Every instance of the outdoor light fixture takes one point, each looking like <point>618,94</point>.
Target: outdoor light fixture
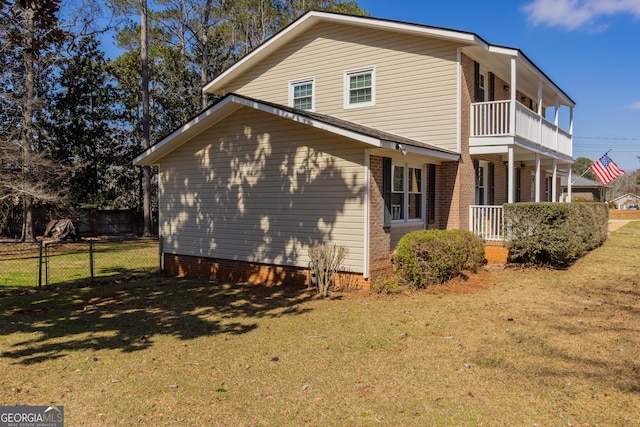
<point>402,149</point>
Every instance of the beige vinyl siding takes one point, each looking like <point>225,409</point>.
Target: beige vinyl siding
<point>415,79</point>
<point>259,188</point>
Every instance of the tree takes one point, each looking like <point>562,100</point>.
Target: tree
<point>84,128</point>
<point>30,33</point>
<point>582,165</point>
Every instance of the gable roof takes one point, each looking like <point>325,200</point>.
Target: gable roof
<point>311,18</point>
<point>232,102</point>
<point>580,181</point>
<point>627,196</point>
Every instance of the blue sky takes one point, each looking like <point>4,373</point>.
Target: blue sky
<point>589,48</point>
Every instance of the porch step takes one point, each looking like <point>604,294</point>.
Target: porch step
<point>496,253</point>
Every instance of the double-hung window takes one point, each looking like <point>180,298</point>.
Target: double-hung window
<point>359,88</point>
<point>407,193</point>
<point>301,94</point>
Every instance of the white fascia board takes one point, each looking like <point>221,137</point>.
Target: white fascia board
<point>186,132</point>
<point>493,149</point>
<point>311,18</point>
<point>547,152</point>
<point>518,54</point>
<point>308,121</point>
<point>425,151</point>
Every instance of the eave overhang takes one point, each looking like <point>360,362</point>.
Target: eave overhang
<point>232,102</point>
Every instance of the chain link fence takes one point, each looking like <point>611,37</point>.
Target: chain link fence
<point>51,263</point>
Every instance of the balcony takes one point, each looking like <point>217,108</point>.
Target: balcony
<point>492,125</point>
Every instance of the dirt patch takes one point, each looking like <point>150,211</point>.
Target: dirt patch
<point>468,283</point>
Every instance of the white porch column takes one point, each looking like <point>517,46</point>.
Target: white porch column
<point>540,121</point>
<point>555,121</point>
<point>554,187</point>
<point>569,186</point>
<point>512,106</point>
<point>511,177</point>
<point>537,178</point>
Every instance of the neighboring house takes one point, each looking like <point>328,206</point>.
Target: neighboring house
<point>355,130</point>
<point>627,202</point>
<point>582,189</point>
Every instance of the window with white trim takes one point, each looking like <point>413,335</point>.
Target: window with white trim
<point>359,88</point>
<point>301,94</point>
<point>407,193</point>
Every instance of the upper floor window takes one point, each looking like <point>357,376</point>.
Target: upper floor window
<point>407,193</point>
<point>301,94</point>
<point>359,88</point>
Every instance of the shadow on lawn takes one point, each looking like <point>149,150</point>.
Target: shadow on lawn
<point>128,316</point>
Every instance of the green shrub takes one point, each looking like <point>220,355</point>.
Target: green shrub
<point>386,285</point>
<point>427,257</point>
<point>554,234</point>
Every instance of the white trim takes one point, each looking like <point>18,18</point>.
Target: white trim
<point>367,212</point>
<point>232,103</point>
<point>459,101</point>
<point>294,83</point>
<point>484,164</point>
<point>347,89</point>
<point>310,19</point>
<point>405,192</point>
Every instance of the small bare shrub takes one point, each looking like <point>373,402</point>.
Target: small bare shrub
<point>326,261</point>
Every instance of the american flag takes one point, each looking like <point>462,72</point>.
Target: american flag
<point>606,170</point>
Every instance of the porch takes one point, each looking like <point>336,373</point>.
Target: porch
<point>487,222</point>
<point>500,123</point>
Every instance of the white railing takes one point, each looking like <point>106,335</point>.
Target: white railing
<point>487,222</point>
<point>492,119</point>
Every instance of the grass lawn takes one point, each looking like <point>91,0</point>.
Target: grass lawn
<point>70,262</point>
<point>507,347</point>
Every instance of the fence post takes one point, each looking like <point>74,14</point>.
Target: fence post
<point>91,259</point>
<point>40,265</point>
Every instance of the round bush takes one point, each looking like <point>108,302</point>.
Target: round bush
<point>427,257</point>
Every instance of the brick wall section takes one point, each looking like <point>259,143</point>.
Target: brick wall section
<point>224,270</point>
<point>379,236</point>
<point>464,190</point>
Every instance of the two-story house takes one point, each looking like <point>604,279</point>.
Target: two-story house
<point>355,130</point>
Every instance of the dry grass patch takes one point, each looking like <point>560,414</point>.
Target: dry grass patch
<point>506,347</point>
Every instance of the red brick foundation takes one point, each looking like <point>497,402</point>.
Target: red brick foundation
<point>247,272</point>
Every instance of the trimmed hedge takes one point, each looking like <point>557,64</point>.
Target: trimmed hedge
<point>554,234</point>
<point>434,256</point>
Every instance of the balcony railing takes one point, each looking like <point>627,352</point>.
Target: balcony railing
<point>493,119</point>
<point>487,222</point>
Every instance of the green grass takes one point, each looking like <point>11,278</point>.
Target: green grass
<point>70,262</point>
<point>507,347</point>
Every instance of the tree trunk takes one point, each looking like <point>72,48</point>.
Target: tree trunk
<point>28,233</point>
<point>204,66</point>
<point>146,134</point>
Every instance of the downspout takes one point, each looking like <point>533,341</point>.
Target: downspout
<point>459,100</point>
<point>365,261</point>
<point>512,131</point>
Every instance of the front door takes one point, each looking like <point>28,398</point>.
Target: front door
<point>481,182</point>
